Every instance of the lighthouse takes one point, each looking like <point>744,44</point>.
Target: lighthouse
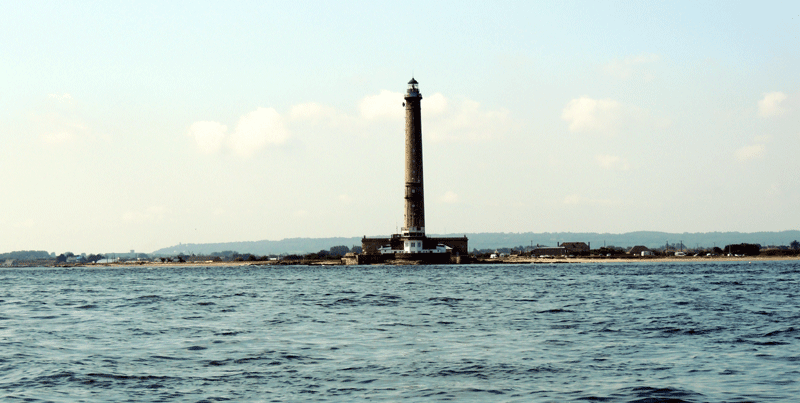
<point>414,230</point>
<point>411,244</point>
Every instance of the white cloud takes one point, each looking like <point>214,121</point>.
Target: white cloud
<point>631,66</point>
<point>443,120</point>
<point>208,135</point>
<point>59,122</point>
<point>750,152</point>
<point>449,197</point>
<point>434,105</point>
<point>319,114</point>
<point>312,111</point>
<point>587,115</point>
<point>263,126</point>
<point>59,128</point>
<point>58,138</point>
<point>467,120</point>
<point>578,200</point>
<point>607,116</point>
<point>770,105</point>
<point>612,162</point>
<point>764,138</point>
<point>60,97</point>
<point>26,223</point>
<point>150,214</point>
<point>386,105</point>
<point>254,131</point>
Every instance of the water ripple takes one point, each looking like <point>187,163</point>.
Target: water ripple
<point>716,332</point>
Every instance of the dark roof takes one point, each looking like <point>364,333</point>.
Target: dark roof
<point>413,81</point>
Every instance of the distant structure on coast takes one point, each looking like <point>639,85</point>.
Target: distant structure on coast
<point>412,244</point>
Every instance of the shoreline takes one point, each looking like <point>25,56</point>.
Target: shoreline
<point>507,260</point>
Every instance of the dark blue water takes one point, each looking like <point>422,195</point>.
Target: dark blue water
<point>727,332</point>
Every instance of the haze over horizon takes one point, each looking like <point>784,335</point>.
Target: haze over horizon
<point>139,125</point>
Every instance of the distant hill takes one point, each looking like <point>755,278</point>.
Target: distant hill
<point>650,239</point>
<point>289,245</point>
<point>25,255</point>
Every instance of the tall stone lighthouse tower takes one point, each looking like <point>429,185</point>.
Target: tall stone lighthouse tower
<point>414,228</point>
<point>411,244</point>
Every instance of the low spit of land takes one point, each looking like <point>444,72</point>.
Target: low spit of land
<point>504,260</point>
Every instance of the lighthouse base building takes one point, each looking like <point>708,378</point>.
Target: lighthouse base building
<point>412,244</point>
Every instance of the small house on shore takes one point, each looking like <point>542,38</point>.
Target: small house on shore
<point>640,250</point>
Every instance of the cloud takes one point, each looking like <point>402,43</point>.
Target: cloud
<point>263,126</point>
<point>58,138</point>
<point>59,128</point>
<point>585,114</point>
<point>346,199</point>
<point>319,114</point>
<point>60,97</point>
<point>449,197</point>
<point>386,105</point>
<point>464,121</point>
<point>763,138</point>
<point>770,105</point>
<point>312,111</point>
<point>750,152</point>
<point>254,131</point>
<point>607,116</point>
<point>150,214</point>
<point>631,66</point>
<point>208,136</point>
<point>612,162</point>
<point>443,120</point>
<point>435,104</point>
<point>578,200</point>
<point>59,121</point>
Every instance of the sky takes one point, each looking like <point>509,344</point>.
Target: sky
<point>141,125</point>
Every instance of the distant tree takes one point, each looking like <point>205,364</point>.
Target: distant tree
<point>27,255</point>
<point>611,250</point>
<point>795,245</point>
<point>748,249</point>
<point>225,253</point>
<point>717,250</point>
<point>94,258</point>
<point>69,254</point>
<point>61,258</point>
<point>340,250</point>
<point>356,249</point>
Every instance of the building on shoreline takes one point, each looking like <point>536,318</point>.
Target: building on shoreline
<point>411,244</point>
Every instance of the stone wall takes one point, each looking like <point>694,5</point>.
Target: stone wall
<point>460,245</point>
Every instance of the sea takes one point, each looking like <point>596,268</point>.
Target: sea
<point>607,332</point>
